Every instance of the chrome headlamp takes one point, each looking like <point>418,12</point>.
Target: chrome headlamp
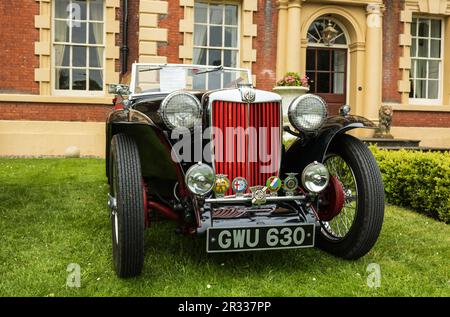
<point>315,177</point>
<point>308,113</point>
<point>181,110</point>
<point>200,179</point>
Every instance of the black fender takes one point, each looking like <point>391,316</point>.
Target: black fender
<point>159,169</point>
<point>303,152</point>
<point>154,149</point>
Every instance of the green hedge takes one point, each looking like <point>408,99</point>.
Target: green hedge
<point>420,180</point>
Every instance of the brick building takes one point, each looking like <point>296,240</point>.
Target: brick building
<point>58,56</point>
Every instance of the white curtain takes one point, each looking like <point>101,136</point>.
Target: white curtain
<point>96,53</point>
<point>96,37</point>
<point>61,29</point>
<point>200,40</point>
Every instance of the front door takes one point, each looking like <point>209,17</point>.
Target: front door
<point>326,68</point>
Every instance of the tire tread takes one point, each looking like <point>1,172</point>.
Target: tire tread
<point>129,257</point>
<point>369,219</point>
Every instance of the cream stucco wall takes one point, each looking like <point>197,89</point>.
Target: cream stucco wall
<point>430,137</point>
<point>51,138</point>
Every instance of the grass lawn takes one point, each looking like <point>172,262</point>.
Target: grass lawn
<point>53,212</point>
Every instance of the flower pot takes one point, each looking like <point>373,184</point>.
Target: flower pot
<point>288,94</point>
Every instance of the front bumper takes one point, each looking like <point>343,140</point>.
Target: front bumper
<point>255,216</point>
<point>244,200</point>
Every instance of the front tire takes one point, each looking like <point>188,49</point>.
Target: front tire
<point>127,216</point>
<point>353,164</point>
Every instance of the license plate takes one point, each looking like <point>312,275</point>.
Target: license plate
<point>235,239</point>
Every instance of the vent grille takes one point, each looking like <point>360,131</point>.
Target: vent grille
<point>248,141</point>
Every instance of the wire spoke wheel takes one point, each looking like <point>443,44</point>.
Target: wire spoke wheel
<point>352,209</point>
<point>340,225</point>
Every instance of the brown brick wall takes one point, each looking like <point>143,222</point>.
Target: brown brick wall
<point>265,44</point>
<point>17,61</point>
<point>17,37</point>
<point>421,119</point>
<point>53,112</point>
<point>392,27</point>
<point>170,22</point>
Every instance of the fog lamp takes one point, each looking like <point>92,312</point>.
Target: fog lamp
<point>315,177</point>
<point>200,179</point>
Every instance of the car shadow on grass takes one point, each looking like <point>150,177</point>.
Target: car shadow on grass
<point>162,243</point>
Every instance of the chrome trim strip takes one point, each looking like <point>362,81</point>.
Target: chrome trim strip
<point>130,115</point>
<point>134,115</point>
<point>234,95</point>
<point>243,200</point>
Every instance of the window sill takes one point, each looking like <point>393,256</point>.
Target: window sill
<point>425,108</point>
<point>105,100</point>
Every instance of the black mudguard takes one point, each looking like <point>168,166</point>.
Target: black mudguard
<point>301,153</point>
<point>154,150</point>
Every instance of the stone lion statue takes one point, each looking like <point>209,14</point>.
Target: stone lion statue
<point>384,127</point>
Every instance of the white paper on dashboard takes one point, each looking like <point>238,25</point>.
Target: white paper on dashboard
<point>172,78</point>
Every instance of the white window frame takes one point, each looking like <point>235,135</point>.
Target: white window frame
<point>426,101</point>
<point>221,48</point>
<point>71,92</point>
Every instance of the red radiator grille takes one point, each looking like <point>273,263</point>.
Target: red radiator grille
<point>237,154</point>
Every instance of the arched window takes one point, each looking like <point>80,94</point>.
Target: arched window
<point>326,61</point>
<point>318,30</point>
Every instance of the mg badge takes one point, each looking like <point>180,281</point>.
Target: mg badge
<point>248,94</point>
<point>239,186</point>
<point>221,185</point>
<point>291,184</point>
<point>258,195</point>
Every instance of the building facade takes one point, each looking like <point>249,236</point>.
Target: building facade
<point>58,56</point>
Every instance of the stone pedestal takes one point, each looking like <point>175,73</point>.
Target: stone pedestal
<point>392,143</point>
<point>288,94</point>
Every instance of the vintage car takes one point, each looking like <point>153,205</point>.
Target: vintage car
<point>200,146</point>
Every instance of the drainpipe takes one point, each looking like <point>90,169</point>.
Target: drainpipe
<point>124,49</point>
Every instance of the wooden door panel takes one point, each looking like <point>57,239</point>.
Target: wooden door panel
<point>327,70</point>
<point>334,101</point>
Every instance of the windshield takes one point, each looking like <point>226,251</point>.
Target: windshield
<point>148,78</point>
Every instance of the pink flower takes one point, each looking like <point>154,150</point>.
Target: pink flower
<point>294,79</point>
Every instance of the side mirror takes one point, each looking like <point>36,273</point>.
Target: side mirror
<point>119,89</point>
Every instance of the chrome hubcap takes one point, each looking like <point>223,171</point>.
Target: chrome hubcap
<point>112,202</point>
